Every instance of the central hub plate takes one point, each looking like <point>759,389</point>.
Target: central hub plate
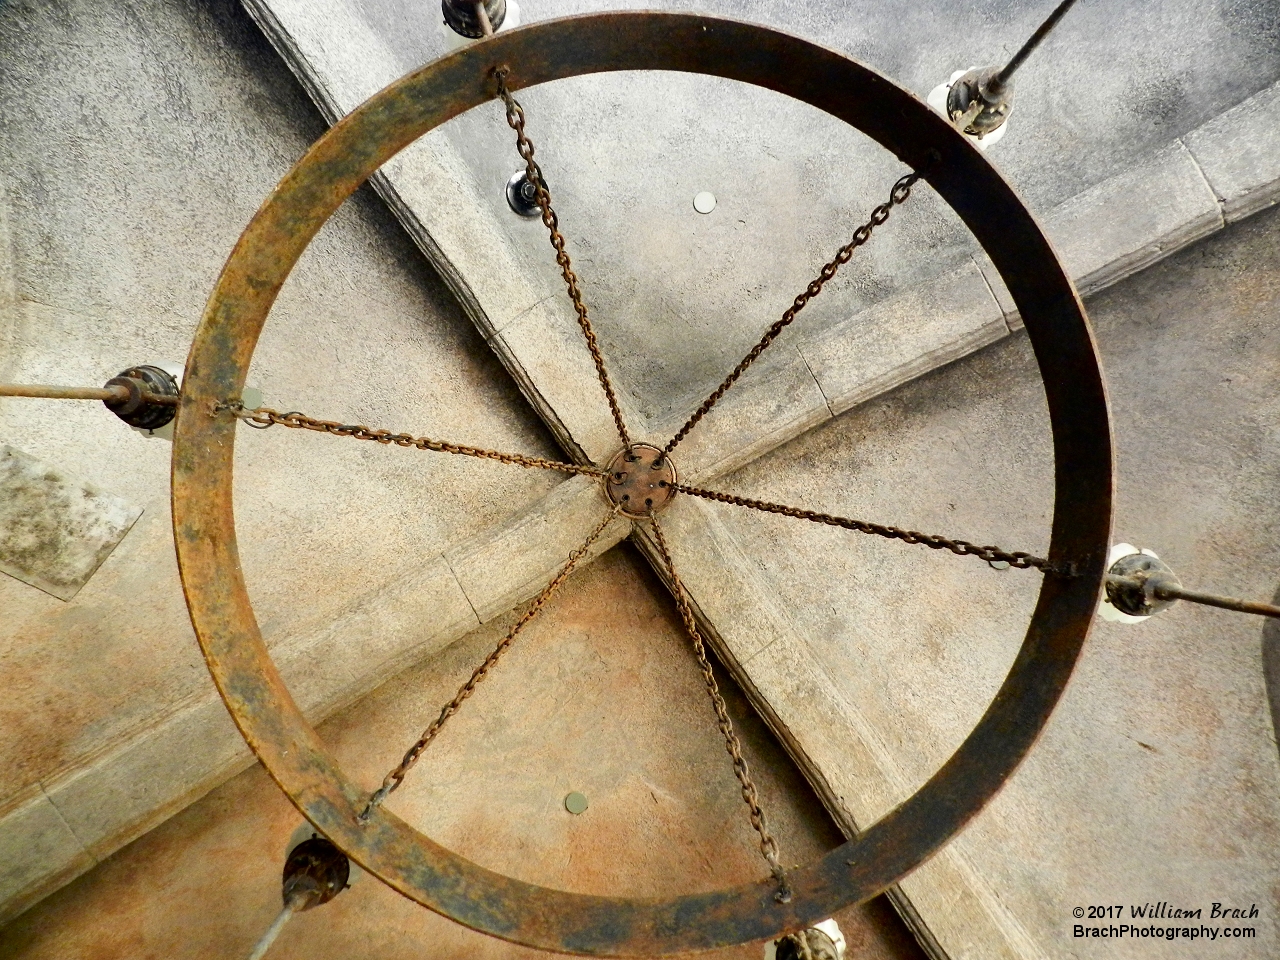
<point>641,480</point>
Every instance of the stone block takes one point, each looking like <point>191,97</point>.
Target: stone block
<point>723,582</point>
<point>546,352</point>
<point>513,563</point>
<point>836,747</point>
<point>38,852</point>
<point>126,792</point>
<point>1239,152</point>
<point>1130,221</point>
<point>400,624</point>
<point>902,338</point>
<point>56,529</point>
<point>775,400</point>
<point>998,290</point>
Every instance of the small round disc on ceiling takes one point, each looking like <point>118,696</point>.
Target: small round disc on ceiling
<point>704,202</point>
<point>575,803</point>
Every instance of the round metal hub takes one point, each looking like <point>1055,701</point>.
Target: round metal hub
<point>641,480</point>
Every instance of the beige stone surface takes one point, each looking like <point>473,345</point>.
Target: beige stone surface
<point>515,561</point>
<point>843,755</point>
<point>600,695</point>
<point>1158,777</point>
<point>94,290</point>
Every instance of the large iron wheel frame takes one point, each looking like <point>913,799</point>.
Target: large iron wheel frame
<point>204,528</point>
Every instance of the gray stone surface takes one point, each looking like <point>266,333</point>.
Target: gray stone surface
<point>900,339</point>
<point>776,400</point>
<point>55,529</point>
<point>136,140</point>
<point>1158,777</point>
<point>1133,219</point>
<point>1239,153</point>
<point>674,317</point>
<point>625,156</point>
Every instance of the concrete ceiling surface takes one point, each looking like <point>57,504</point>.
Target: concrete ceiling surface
<point>680,296</point>
<point>447,190</point>
<point>1163,194</point>
<point>591,700</point>
<point>1142,209</point>
<point>1158,777</point>
<point>135,143</point>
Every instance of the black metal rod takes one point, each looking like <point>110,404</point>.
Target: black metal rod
<point>1164,590</point>
<point>1042,31</point>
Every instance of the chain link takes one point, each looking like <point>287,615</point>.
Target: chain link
<point>768,845</point>
<point>393,779</point>
<point>901,190</point>
<point>962,548</point>
<point>264,417</point>
<point>515,120</point>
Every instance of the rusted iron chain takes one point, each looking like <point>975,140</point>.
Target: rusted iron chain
<point>515,119</point>
<point>961,548</point>
<point>768,845</point>
<point>264,417</point>
<point>393,779</point>
<point>901,190</point>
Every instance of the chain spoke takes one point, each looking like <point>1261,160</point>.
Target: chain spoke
<point>961,548</point>
<point>901,190</point>
<point>263,417</point>
<point>768,845</point>
<point>515,119</point>
<point>393,779</point>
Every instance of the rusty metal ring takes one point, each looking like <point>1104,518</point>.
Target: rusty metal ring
<point>204,527</point>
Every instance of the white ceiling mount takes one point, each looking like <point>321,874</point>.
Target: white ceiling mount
<point>1106,609</point>
<point>938,100</point>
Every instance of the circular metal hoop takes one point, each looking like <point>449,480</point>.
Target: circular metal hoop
<point>204,528</point>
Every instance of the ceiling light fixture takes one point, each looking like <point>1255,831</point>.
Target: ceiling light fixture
<point>979,100</point>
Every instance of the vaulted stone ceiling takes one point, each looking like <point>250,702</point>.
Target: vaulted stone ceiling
<point>673,315</point>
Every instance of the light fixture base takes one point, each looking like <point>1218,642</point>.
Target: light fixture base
<point>977,105</point>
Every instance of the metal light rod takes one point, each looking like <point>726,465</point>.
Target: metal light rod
<point>486,27</point>
<point>117,393</point>
<point>1042,31</point>
<point>1166,589</point>
<point>980,101</point>
<point>291,907</point>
